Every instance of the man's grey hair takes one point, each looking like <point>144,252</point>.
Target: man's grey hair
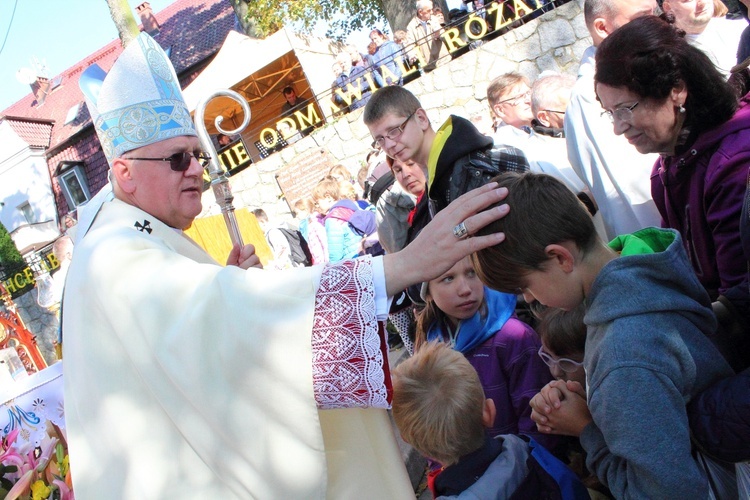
<point>546,90</point>
<point>424,4</point>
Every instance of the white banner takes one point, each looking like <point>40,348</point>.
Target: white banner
<point>29,403</point>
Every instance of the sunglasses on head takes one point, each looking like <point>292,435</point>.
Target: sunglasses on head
<point>179,162</point>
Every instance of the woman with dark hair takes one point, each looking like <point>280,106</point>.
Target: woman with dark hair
<point>665,96</point>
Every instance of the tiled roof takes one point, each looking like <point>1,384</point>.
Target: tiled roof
<point>194,29</point>
<point>35,133</point>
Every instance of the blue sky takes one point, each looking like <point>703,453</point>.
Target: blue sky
<point>59,32</point>
<point>62,33</point>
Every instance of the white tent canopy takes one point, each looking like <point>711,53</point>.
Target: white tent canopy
<point>259,69</point>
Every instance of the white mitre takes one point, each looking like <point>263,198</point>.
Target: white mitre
<point>139,102</point>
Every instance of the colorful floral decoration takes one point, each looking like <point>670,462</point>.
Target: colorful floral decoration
<point>36,472</point>
<point>34,463</point>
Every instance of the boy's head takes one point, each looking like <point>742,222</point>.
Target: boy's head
<point>439,404</point>
<point>398,123</point>
<point>326,193</point>
<point>548,232</point>
<point>261,217</point>
<point>390,100</point>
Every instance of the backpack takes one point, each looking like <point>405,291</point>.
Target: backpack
<point>380,186</point>
<point>477,169</point>
<point>298,249</point>
<point>548,478</point>
<point>364,223</point>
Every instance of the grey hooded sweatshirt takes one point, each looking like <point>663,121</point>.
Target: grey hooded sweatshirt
<point>647,354</point>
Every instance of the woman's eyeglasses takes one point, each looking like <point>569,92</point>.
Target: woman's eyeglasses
<point>624,114</point>
<point>179,162</point>
<point>565,364</point>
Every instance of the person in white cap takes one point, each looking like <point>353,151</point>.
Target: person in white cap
<point>188,379</point>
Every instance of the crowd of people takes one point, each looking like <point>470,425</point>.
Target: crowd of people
<point>571,285</point>
<point>394,60</point>
<point>650,134</point>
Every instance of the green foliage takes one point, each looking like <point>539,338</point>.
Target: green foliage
<point>9,254</point>
<point>342,16</point>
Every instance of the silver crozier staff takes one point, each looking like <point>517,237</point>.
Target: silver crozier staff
<point>219,178</point>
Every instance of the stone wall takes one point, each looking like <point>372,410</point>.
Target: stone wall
<point>554,41</point>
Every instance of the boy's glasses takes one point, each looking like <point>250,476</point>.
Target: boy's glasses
<point>624,114</point>
<point>395,132</point>
<point>565,364</point>
<point>179,162</point>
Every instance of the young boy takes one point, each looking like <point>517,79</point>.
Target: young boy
<point>440,409</point>
<point>647,343</point>
<point>455,159</point>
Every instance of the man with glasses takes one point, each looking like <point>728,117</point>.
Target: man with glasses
<point>546,146</point>
<point>550,95</point>
<point>188,379</point>
<point>509,97</point>
<point>456,158</point>
<point>615,173</point>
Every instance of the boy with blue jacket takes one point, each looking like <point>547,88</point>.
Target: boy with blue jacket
<point>648,351</point>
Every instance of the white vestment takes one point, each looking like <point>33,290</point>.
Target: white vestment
<point>617,175</point>
<point>511,136</point>
<point>549,155</point>
<point>187,379</point>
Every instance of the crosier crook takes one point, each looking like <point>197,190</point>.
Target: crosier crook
<point>219,179</point>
